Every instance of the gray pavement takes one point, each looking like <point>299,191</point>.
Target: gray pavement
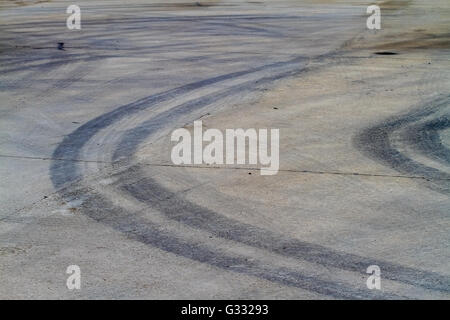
<point>87,178</point>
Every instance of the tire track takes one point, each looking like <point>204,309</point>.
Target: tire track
<point>422,134</point>
<point>139,229</point>
<point>178,209</point>
<point>70,148</point>
<point>425,138</point>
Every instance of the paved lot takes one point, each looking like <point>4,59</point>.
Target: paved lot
<point>87,178</point>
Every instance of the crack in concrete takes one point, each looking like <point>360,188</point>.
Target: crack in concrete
<point>53,159</point>
<point>234,168</point>
<point>299,171</point>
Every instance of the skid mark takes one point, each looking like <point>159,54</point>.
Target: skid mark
<point>374,143</point>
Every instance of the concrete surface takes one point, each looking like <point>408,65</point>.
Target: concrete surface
<point>86,175</point>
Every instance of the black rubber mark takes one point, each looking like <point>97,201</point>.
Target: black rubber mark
<point>386,53</point>
<point>425,139</point>
<point>132,138</point>
<point>141,230</point>
<point>138,228</point>
<point>176,208</point>
<point>72,144</point>
<point>374,142</point>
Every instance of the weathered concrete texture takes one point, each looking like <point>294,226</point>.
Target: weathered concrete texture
<point>364,150</point>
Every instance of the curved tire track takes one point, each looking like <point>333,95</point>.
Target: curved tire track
<point>422,128</point>
<point>176,208</point>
